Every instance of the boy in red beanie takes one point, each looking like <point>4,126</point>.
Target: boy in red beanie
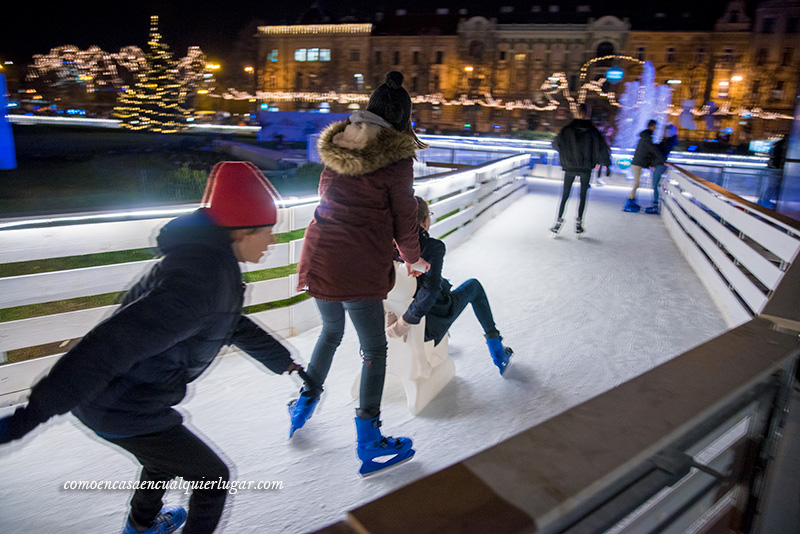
<point>124,377</point>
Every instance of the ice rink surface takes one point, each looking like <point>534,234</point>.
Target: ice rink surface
<point>581,315</point>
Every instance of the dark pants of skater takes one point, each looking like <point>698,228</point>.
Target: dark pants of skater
<point>569,178</point>
<point>177,452</point>
<point>472,292</point>
<point>660,170</point>
<point>367,318</point>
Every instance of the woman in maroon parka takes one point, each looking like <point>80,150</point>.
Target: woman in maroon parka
<point>367,205</point>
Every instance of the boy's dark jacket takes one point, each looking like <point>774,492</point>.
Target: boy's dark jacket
<point>433,299</point>
<point>647,154</point>
<point>581,147</point>
<point>124,376</point>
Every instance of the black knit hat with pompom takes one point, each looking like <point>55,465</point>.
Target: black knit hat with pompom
<point>391,102</point>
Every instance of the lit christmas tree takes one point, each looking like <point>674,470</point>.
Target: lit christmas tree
<point>156,101</point>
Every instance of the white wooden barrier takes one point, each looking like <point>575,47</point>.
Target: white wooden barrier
<point>475,195</point>
<point>739,250</point>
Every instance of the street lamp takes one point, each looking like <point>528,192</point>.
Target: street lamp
<point>252,87</point>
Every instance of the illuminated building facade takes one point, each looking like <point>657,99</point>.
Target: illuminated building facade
<point>525,70</point>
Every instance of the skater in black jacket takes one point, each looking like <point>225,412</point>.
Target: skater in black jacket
<point>124,377</point>
<point>581,147</point>
<point>647,154</point>
<point>439,305</point>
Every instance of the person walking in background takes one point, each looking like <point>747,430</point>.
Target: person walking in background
<point>645,155</point>
<point>124,377</point>
<point>666,145</point>
<point>440,306</point>
<point>581,147</point>
<point>347,263</point>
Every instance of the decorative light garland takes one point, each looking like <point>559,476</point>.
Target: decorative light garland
<point>304,29</point>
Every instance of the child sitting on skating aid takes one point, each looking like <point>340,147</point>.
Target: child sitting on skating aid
<point>440,306</point>
<point>123,378</point>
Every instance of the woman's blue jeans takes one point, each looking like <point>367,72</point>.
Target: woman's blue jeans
<point>367,318</point>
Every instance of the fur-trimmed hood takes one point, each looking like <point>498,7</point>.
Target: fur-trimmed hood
<point>356,149</point>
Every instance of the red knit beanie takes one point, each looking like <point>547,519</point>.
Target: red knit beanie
<point>238,195</point>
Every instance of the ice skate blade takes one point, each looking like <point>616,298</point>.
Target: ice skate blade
<point>508,365</point>
<point>387,468</point>
<point>579,235</point>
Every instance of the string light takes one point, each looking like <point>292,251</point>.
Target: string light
<point>155,103</point>
<point>303,29</point>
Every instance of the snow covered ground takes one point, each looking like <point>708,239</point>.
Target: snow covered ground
<point>582,317</point>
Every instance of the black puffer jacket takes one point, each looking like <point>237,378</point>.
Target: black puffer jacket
<point>124,376</point>
<point>581,147</point>
<point>647,154</point>
<point>433,299</point>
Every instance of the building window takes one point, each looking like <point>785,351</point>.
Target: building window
<point>312,54</point>
<point>476,50</point>
<point>415,57</point>
<point>396,57</point>
<point>755,89</point>
<point>502,55</point>
<point>273,56</point>
<point>670,55</point>
<point>768,25</point>
<point>519,57</point>
<point>792,24</point>
<point>727,55</point>
<point>761,56</point>
<point>435,83</point>
<point>777,90</point>
<point>439,57</point>
<point>605,49</point>
<point>700,56</point>
<point>378,57</point>
<point>723,89</point>
<point>355,55</point>
<point>640,53</point>
<point>414,84</point>
<point>786,59</point>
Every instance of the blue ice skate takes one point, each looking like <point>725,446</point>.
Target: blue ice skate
<point>377,452</point>
<point>501,356</point>
<point>631,206</point>
<point>301,410</point>
<point>653,210</point>
<point>168,520</point>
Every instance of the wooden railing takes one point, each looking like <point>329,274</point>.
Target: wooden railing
<point>740,250</point>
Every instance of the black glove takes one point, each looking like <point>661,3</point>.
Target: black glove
<point>17,425</point>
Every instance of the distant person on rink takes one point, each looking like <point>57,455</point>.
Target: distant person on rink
<point>581,147</point>
<point>646,154</point>
<point>666,145</point>
<point>440,306</point>
<point>124,377</point>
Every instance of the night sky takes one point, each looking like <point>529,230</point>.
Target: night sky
<point>212,26</point>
